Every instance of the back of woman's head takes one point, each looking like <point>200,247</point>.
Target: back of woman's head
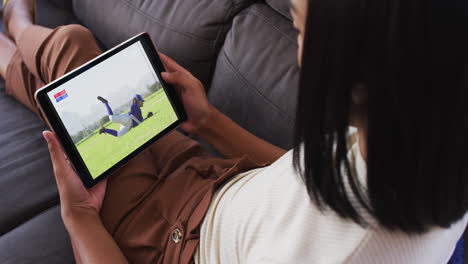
<point>411,57</point>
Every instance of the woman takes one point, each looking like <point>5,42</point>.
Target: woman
<point>392,191</point>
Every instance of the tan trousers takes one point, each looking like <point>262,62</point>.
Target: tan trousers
<point>156,202</point>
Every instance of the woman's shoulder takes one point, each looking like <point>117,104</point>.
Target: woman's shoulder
<point>275,203</point>
<point>273,208</point>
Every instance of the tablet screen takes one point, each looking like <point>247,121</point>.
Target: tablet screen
<point>113,108</point>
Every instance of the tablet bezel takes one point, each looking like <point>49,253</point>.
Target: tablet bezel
<point>58,127</point>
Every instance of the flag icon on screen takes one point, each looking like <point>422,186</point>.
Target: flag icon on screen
<point>60,95</point>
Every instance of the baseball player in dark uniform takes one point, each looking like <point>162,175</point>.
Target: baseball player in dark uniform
<point>128,120</point>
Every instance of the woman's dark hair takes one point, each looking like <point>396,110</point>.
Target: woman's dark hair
<point>411,57</point>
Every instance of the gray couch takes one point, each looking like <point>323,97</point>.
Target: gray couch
<point>244,51</point>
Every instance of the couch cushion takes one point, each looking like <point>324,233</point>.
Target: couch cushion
<point>190,31</point>
<point>255,82</point>
<point>280,6</point>
<point>43,239</point>
<point>31,229</point>
<point>27,185</point>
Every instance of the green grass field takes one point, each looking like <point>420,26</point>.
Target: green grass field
<point>101,151</point>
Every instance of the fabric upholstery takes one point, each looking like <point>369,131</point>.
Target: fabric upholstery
<point>31,229</point>
<point>189,31</point>
<point>59,5</point>
<point>280,6</point>
<point>256,76</point>
<point>53,13</point>
<point>42,239</point>
<point>27,186</point>
<point>254,83</point>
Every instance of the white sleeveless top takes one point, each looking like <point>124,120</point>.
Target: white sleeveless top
<point>266,216</point>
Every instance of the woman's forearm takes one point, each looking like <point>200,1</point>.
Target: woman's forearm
<point>233,141</point>
<point>91,242</point>
<point>76,253</point>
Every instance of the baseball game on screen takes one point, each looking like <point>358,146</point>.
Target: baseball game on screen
<point>124,108</point>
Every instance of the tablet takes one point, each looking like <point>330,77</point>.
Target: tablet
<point>112,108</point>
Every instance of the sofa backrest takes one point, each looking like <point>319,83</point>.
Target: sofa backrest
<point>190,31</point>
<point>244,51</point>
<point>280,6</point>
<point>256,76</point>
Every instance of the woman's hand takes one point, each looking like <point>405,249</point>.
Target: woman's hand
<point>204,120</point>
<point>75,199</point>
<point>192,94</point>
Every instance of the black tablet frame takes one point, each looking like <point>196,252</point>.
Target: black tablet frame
<point>58,127</point>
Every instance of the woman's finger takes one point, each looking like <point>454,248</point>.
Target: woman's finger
<point>178,79</point>
<point>57,156</point>
<point>68,182</point>
<point>56,153</point>
<point>170,64</point>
